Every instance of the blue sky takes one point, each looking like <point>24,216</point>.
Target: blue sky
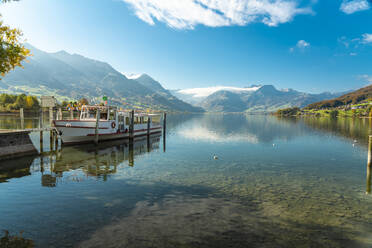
<point>313,45</point>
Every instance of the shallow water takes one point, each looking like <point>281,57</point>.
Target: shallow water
<point>276,183</point>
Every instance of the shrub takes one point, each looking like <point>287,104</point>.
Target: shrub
<point>333,113</point>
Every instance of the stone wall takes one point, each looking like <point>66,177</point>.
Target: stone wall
<point>15,144</point>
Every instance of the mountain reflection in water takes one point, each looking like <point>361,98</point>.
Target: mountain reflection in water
<point>278,182</point>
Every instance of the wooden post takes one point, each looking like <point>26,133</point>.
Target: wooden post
<point>131,127</point>
<point>21,114</point>
<point>164,131</point>
<point>51,118</point>
<point>369,165</point>
<point>148,126</point>
<point>71,114</point>
<point>131,154</point>
<point>51,140</point>
<point>96,134</point>
<point>165,122</point>
<point>148,144</point>
<point>41,132</point>
<point>51,135</point>
<point>56,140</point>
<point>59,115</point>
<point>41,164</point>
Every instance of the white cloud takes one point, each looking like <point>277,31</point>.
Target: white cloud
<point>186,14</point>
<point>350,7</point>
<point>367,38</point>
<point>204,92</point>
<point>366,78</point>
<point>302,44</point>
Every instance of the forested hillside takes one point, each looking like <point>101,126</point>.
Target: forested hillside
<point>354,97</point>
<point>70,77</point>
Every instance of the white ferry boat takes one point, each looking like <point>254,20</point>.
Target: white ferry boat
<point>112,124</point>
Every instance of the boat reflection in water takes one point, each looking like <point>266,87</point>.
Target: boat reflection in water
<point>75,163</point>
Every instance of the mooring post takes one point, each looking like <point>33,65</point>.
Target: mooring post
<point>148,126</point>
<point>51,140</point>
<point>131,154</point>
<point>164,130</point>
<point>369,165</point>
<point>59,115</point>
<point>51,116</point>
<point>56,140</point>
<point>51,135</point>
<point>21,114</point>
<point>96,134</point>
<point>131,127</point>
<point>41,130</point>
<point>148,144</point>
<point>41,164</point>
<point>165,121</point>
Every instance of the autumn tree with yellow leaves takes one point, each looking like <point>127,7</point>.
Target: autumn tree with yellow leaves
<point>12,50</point>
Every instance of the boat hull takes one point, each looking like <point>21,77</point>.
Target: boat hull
<point>84,132</point>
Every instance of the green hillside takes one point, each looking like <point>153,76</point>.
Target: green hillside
<point>70,77</point>
<point>352,98</point>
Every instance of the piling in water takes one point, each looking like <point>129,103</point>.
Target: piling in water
<point>368,190</point>
<point>21,114</point>
<point>51,135</point>
<point>131,127</point>
<point>59,115</point>
<point>56,140</point>
<point>164,131</point>
<point>41,132</point>
<point>96,134</point>
<point>148,126</point>
<point>131,154</point>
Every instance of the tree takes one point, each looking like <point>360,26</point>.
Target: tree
<point>334,114</point>
<point>84,101</point>
<point>288,111</point>
<point>12,51</point>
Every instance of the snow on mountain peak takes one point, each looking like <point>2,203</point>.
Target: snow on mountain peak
<point>132,75</point>
<point>205,92</point>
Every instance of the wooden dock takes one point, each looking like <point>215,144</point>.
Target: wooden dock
<point>17,142</point>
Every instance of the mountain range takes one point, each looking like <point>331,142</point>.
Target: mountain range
<point>72,76</point>
<point>256,98</point>
<point>354,97</point>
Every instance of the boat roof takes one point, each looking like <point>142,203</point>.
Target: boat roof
<point>120,111</point>
<point>99,107</point>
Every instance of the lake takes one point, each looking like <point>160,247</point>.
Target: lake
<point>277,182</point>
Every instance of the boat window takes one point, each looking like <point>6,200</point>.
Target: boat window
<point>103,116</point>
<point>145,119</point>
<point>88,114</point>
<point>112,115</point>
<point>127,122</point>
<point>156,119</point>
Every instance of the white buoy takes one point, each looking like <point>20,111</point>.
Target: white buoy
<point>215,157</point>
<point>355,141</point>
<point>273,145</point>
<point>353,145</point>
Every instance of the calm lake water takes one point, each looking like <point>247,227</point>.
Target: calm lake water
<point>276,183</point>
